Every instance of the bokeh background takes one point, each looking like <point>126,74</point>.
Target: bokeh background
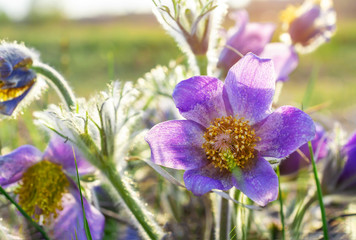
<point>94,42</point>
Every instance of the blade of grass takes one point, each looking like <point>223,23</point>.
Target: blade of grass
<point>320,194</point>
<point>281,204</point>
<point>86,225</point>
<point>310,87</point>
<point>38,227</point>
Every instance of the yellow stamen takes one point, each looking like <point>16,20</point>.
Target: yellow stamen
<point>230,142</point>
<point>41,190</point>
<point>8,94</point>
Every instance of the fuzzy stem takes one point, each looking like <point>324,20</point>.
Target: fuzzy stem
<point>150,227</point>
<point>57,81</point>
<point>38,227</point>
<point>319,193</point>
<point>281,204</point>
<point>202,62</point>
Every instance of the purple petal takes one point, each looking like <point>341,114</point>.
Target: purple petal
<point>202,180</point>
<point>61,153</point>
<point>250,87</point>
<point>200,99</point>
<point>69,223</point>
<point>14,164</point>
<point>295,161</point>
<point>258,181</point>
<point>8,107</point>
<point>284,57</point>
<point>349,169</point>
<point>283,132</point>
<point>177,144</point>
<point>253,38</point>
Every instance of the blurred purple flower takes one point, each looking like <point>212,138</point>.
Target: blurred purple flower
<point>296,161</point>
<point>16,77</point>
<point>255,38</point>
<point>340,171</point>
<point>247,37</point>
<point>47,189</point>
<point>230,131</point>
<point>309,25</point>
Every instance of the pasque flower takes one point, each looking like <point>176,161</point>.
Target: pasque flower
<point>46,189</point>
<point>16,77</point>
<point>255,38</point>
<point>230,132</point>
<point>300,159</point>
<point>309,25</point>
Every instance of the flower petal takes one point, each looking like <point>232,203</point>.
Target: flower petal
<point>349,169</point>
<point>177,144</point>
<point>14,164</point>
<point>257,180</point>
<point>251,38</point>
<point>200,99</point>
<point>284,57</point>
<point>61,153</point>
<point>283,132</point>
<point>69,222</point>
<point>296,161</point>
<point>8,107</point>
<point>250,87</point>
<point>202,180</point>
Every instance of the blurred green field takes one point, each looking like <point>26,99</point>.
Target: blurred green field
<point>91,53</point>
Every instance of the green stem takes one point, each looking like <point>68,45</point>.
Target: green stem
<point>142,216</point>
<point>56,80</point>
<point>320,194</point>
<point>224,212</point>
<point>281,204</point>
<point>202,62</point>
<point>38,227</point>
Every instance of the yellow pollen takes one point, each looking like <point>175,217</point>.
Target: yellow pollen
<point>230,142</point>
<point>289,14</point>
<point>8,94</point>
<point>41,190</point>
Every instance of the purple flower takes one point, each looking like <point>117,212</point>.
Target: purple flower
<point>247,37</point>
<point>339,175</point>
<point>255,38</point>
<point>16,77</point>
<point>309,25</point>
<point>298,160</point>
<point>230,131</point>
<point>46,189</point>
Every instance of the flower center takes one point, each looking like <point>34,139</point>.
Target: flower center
<point>230,142</point>
<point>8,94</point>
<point>41,190</point>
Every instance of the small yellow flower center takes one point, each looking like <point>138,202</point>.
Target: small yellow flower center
<point>41,190</point>
<point>230,142</point>
<point>289,14</point>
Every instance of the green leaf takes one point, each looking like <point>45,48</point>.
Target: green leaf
<point>86,225</point>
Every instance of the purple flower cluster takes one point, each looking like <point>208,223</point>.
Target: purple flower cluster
<point>230,132</point>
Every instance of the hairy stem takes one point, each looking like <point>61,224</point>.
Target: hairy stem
<point>57,81</point>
